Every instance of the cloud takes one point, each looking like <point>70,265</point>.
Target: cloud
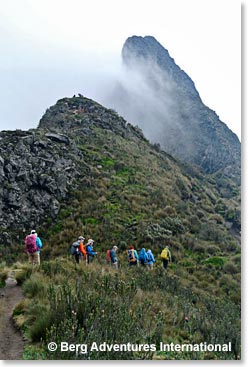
<point>146,96</point>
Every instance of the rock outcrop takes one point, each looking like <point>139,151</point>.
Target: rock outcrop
<point>39,167</point>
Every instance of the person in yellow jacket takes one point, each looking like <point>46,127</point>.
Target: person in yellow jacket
<point>166,256</point>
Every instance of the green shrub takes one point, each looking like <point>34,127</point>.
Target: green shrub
<point>24,273</point>
<point>173,224</point>
<point>3,276</point>
<point>210,232</point>
<point>104,313</point>
<point>199,248</point>
<point>36,285</point>
<point>216,261</point>
<point>21,307</point>
<point>230,268</point>
<point>39,327</point>
<point>228,284</point>
<point>212,249</point>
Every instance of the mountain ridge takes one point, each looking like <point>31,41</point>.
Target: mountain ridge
<point>80,146</point>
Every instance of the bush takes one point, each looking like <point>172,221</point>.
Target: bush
<point>216,261</point>
<point>228,283</point>
<point>237,259</point>
<point>168,210</point>
<point>21,307</point>
<point>210,232</point>
<point>230,268</point>
<point>212,249</point>
<point>35,286</point>
<point>38,329</point>
<point>106,312</point>
<point>156,232</point>
<point>3,277</point>
<point>195,224</point>
<point>173,224</point>
<point>22,274</point>
<point>199,248</point>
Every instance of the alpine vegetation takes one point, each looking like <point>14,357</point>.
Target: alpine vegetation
<point>124,248</point>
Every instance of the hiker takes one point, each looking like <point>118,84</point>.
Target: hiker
<point>166,256</point>
<point>108,256</point>
<point>75,249</point>
<point>38,244</point>
<point>31,248</point>
<point>113,256</point>
<point>132,256</point>
<point>90,253</point>
<point>143,259</point>
<point>150,259</point>
<point>82,248</point>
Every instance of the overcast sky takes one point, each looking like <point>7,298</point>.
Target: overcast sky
<point>55,48</point>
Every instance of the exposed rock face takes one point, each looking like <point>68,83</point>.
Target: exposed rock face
<point>35,174</point>
<point>162,99</point>
<point>38,167</point>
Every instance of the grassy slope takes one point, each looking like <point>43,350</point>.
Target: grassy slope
<point>97,304</point>
<point>134,194</point>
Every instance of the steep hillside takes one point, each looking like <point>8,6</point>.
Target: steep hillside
<point>85,170</point>
<point>162,99</point>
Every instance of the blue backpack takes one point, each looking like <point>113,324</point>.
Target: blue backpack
<point>149,257</point>
<point>143,256</point>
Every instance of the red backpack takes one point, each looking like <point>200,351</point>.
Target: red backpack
<point>108,256</point>
<point>30,244</point>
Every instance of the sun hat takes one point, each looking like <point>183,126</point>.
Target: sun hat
<point>90,241</point>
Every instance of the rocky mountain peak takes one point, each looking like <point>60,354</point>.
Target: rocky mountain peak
<point>148,51</point>
<point>71,115</point>
<point>157,95</point>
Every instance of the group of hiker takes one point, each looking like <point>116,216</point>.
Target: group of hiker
<point>145,258</point>
<point>85,252</point>
<point>80,251</point>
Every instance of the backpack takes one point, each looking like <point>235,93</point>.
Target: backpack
<point>74,248</point>
<point>108,255</point>
<point>30,244</point>
<point>164,254</point>
<point>149,256</point>
<point>130,254</point>
<point>143,256</point>
<point>113,256</point>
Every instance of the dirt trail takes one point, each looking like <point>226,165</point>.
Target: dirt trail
<point>11,340</point>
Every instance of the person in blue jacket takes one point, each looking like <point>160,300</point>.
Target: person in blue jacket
<point>143,259</point>
<point>113,256</point>
<point>150,259</point>
<point>38,244</point>
<point>90,253</point>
